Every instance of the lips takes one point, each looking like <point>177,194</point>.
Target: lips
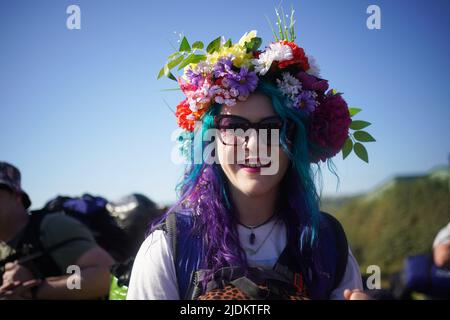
<point>253,165</point>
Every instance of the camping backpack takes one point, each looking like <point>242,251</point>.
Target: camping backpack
<point>311,274</point>
<point>422,275</point>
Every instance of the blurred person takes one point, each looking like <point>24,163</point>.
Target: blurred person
<point>441,248</point>
<point>36,250</point>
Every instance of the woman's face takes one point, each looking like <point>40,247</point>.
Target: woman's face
<point>253,181</point>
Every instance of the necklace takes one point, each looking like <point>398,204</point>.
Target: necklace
<point>252,237</point>
<point>255,251</point>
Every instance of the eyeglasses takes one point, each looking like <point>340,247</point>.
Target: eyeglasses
<point>233,129</point>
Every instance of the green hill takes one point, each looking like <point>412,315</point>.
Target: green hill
<point>400,218</point>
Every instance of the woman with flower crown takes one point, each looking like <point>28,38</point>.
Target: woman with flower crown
<point>247,222</point>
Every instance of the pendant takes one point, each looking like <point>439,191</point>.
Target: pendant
<point>252,238</point>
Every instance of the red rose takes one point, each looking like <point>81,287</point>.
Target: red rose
<point>299,57</point>
<point>328,128</point>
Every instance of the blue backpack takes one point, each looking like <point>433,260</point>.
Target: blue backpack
<point>321,269</point>
<point>422,275</point>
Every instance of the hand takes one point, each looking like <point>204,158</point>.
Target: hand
<point>355,294</point>
<point>441,255</point>
<point>16,272</point>
<point>18,290</point>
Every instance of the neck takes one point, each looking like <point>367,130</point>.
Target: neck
<point>13,225</point>
<point>254,210</point>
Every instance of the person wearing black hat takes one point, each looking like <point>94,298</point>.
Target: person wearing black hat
<point>37,251</point>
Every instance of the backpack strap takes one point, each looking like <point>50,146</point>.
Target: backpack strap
<point>332,260</point>
<point>320,268</point>
<point>341,248</point>
<point>187,250</point>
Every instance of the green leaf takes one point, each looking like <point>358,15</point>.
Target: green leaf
<point>167,73</point>
<point>172,89</point>
<point>161,73</point>
<point>173,55</point>
<point>228,44</point>
<point>354,111</point>
<point>175,62</point>
<point>363,136</point>
<point>361,152</point>
<point>348,146</point>
<point>213,45</point>
<point>192,58</point>
<point>184,46</point>
<point>171,76</point>
<point>197,45</point>
<point>334,91</point>
<point>272,28</point>
<point>359,124</point>
<point>254,44</point>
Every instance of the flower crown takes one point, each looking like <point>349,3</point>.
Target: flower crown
<point>226,73</point>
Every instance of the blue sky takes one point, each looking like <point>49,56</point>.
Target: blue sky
<point>82,111</point>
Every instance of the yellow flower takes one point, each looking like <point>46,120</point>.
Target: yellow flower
<point>241,57</point>
<point>247,37</point>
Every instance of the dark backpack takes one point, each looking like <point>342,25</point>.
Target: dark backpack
<point>91,211</point>
<point>321,269</point>
<point>422,275</point>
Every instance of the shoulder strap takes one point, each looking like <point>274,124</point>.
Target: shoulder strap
<point>186,250</point>
<point>171,229</point>
<point>341,248</point>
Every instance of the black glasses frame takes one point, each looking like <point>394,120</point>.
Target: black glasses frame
<point>247,124</point>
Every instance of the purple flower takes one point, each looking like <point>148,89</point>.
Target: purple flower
<point>310,82</point>
<point>307,101</point>
<point>222,67</point>
<point>195,78</point>
<point>245,81</point>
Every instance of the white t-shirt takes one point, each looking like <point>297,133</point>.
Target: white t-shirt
<point>154,278</point>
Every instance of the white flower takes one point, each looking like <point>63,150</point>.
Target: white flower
<point>275,52</point>
<point>230,102</point>
<point>281,52</point>
<point>193,105</point>
<point>219,99</point>
<point>314,68</point>
<point>234,92</point>
<point>247,37</point>
<point>289,86</point>
<point>263,63</point>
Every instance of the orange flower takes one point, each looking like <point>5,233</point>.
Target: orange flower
<point>185,117</point>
